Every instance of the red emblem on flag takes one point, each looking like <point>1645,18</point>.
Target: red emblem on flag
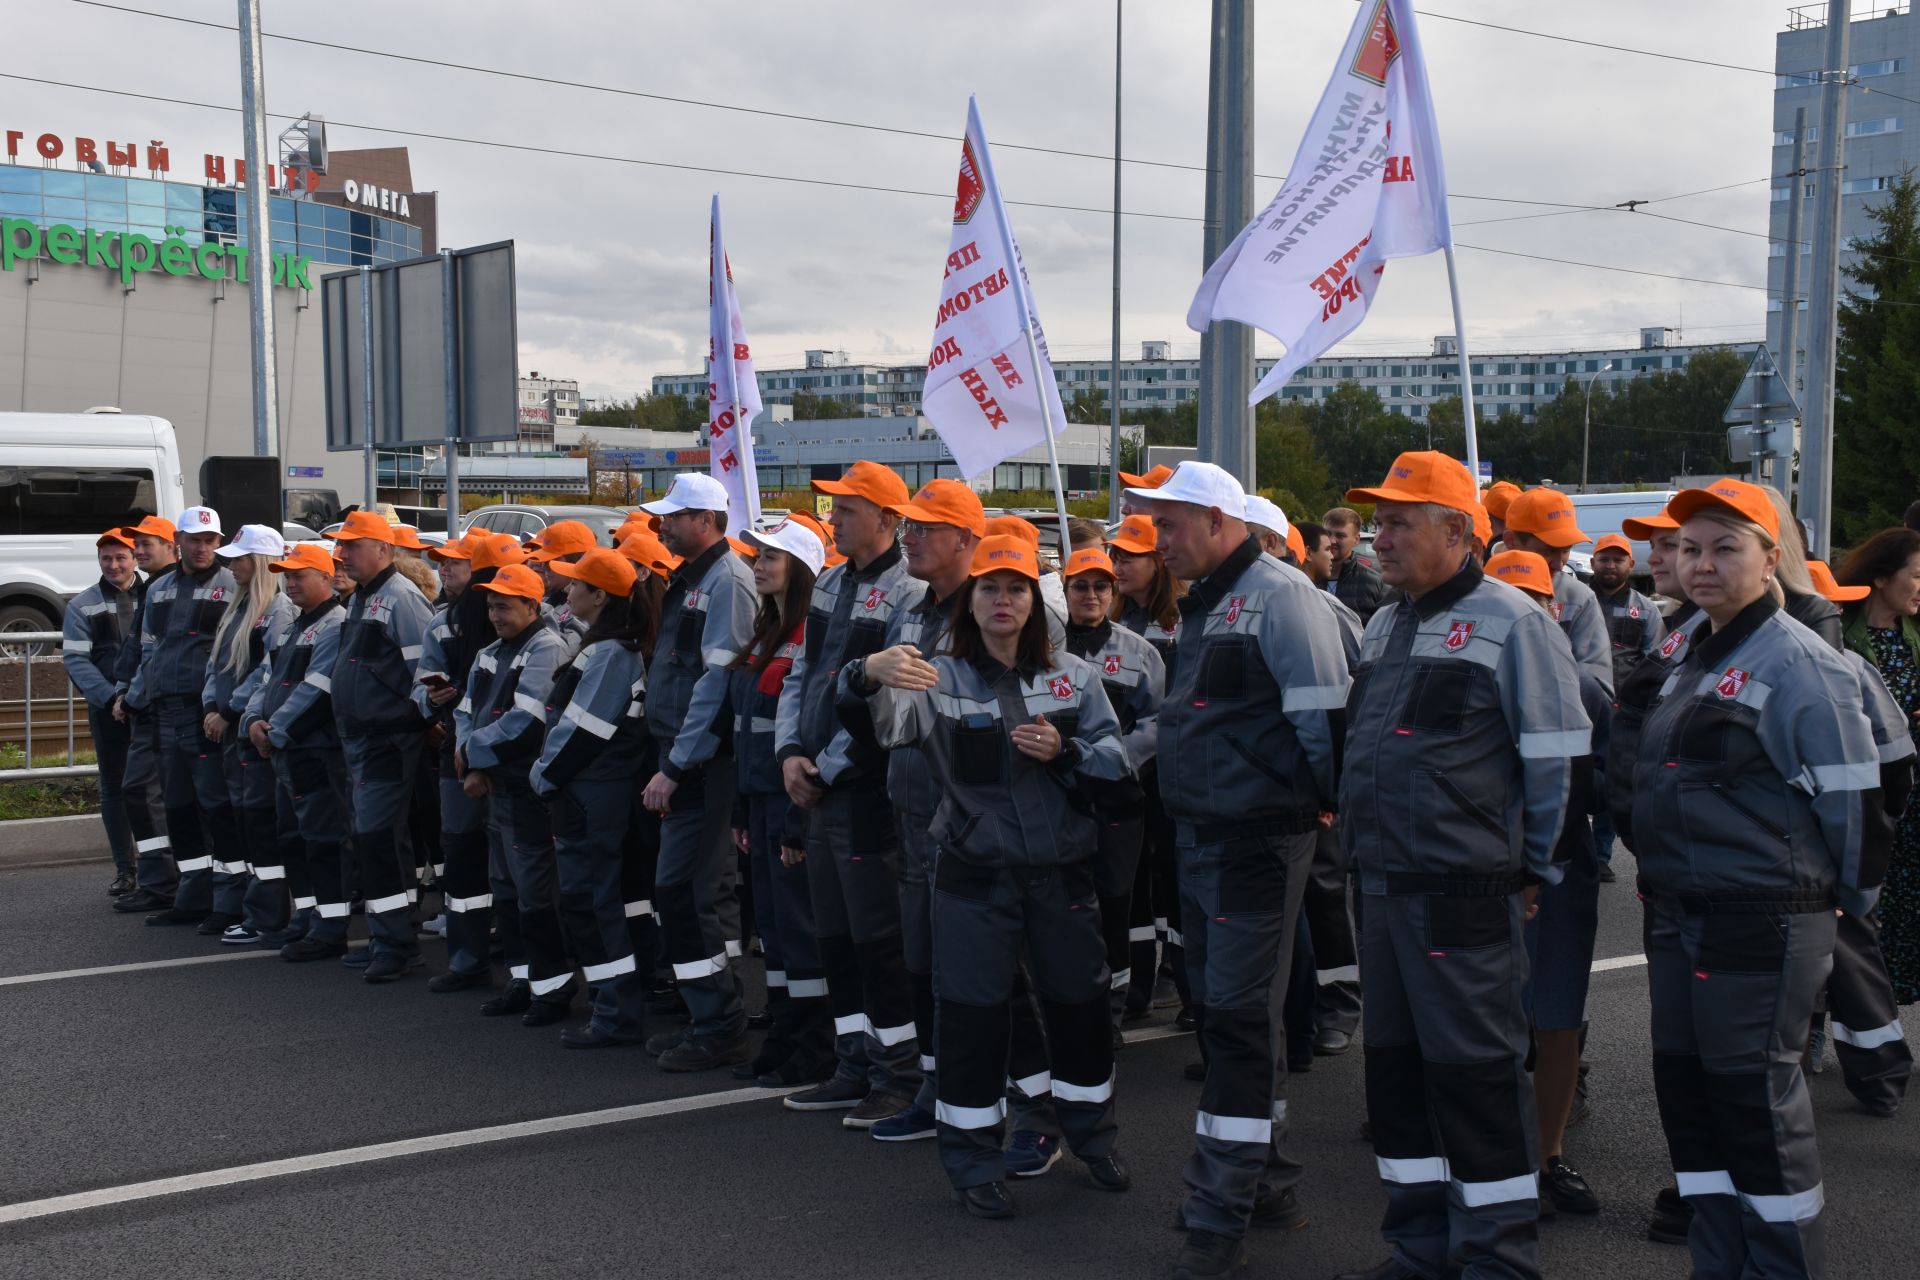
<point>1113,664</point>
<point>874,597</point>
<point>1233,609</point>
<point>1458,633</point>
<point>1732,683</point>
<point>1062,687</point>
<point>966,199</point>
<point>1380,48</point>
<point>1672,643</point>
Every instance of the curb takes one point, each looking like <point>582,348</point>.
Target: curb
<point>52,842</point>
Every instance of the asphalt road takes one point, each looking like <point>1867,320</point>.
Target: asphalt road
<point>189,1071</point>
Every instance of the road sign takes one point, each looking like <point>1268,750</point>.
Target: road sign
<point>1761,414</point>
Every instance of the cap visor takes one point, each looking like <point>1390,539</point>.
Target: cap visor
<point>1561,538</point>
<point>1847,595</point>
<point>1689,502</point>
<point>562,568</point>
<point>661,508</point>
<point>838,488</point>
<point>1384,494</point>
<point>1644,530</point>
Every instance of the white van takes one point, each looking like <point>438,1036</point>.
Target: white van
<point>1601,513</point>
<point>65,478</point>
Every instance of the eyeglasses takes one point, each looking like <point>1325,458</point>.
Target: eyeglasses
<point>920,529</point>
<point>1099,586</point>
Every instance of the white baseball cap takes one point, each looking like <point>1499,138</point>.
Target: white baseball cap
<point>255,540</point>
<point>1266,513</point>
<point>792,537</point>
<point>691,491</point>
<point>1201,483</point>
<point>197,520</point>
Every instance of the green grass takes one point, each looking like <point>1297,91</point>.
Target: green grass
<point>54,798</point>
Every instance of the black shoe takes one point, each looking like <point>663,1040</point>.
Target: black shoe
<point>796,1071</point>
<point>1569,1192</point>
<point>545,1011</point>
<point>1195,1071</point>
<point>517,998</point>
<point>1672,1218</point>
<point>1185,1019</point>
<point>141,900</point>
<point>592,1038</point>
<point>1880,1108</point>
<point>1136,1013</point>
<point>1366,1131</point>
<point>1208,1254</point>
<point>303,949</point>
<point>704,1053</point>
<point>1331,1042</point>
<point>216,923</point>
<point>1299,1059</point>
<point>665,1040</point>
<point>874,1108</point>
<point>1388,1270</point>
<point>390,966</point>
<point>453,980</point>
<point>1278,1211</point>
<point>833,1094</point>
<point>122,883</point>
<point>988,1200</point>
<point>177,915</point>
<point>277,938</point>
<point>1119,1040</point>
<point>358,959</point>
<point>759,1021</point>
<point>1606,873</point>
<point>1109,1174</point>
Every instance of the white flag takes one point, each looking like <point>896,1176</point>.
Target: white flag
<point>733,393</point>
<point>1367,184</point>
<point>982,393</point>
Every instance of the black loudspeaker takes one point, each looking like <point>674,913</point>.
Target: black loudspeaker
<point>243,490</point>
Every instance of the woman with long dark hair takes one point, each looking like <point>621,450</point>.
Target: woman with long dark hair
<point>596,738</point>
<point>768,827</point>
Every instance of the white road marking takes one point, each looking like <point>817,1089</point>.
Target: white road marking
<point>98,970</point>
<point>1619,962</point>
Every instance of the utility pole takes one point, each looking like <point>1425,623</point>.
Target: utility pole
<point>253,107</point>
<point>1788,355</point>
<point>1113,434</point>
<point>1226,348</point>
<point>1816,435</point>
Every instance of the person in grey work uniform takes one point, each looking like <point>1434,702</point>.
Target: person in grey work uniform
<point>1543,521</point>
<point>380,736</point>
<point>706,620</point>
<point>1636,629</point>
<point>98,624</point>
<point>289,720</point>
<point>853,848</point>
<point>1462,728</point>
<point>1247,751</point>
<point>1014,734</point>
<point>183,611</point>
<point>154,552</point>
<point>455,634</point>
<point>1756,782</point>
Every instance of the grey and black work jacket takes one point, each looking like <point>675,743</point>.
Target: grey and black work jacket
<point>706,620</point>
<point>1249,731</point>
<point>1134,617</point>
<point>435,659</point>
<point>999,807</point>
<point>126,663</point>
<point>1757,774</point>
<point>1463,729</point>
<point>596,718</point>
<point>379,649</point>
<point>295,697</point>
<point>501,719</point>
<point>227,693</point>
<point>1577,609</point>
<point>928,627</point>
<point>1136,681</point>
<point>1634,628</point>
<point>183,610</point>
<point>1351,626</point>
<point>850,617</point>
<point>98,625</point>
<point>754,693</point>
<point>561,619</point>
<point>1631,701</point>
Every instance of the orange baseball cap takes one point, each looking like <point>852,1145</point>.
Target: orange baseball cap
<point>1014,527</point>
<point>1005,552</point>
<point>563,538</point>
<point>1643,528</point>
<point>945,502</point>
<point>1087,560</point>
<point>1482,525</point>
<point>453,549</point>
<point>880,485</point>
<point>1613,542</point>
<point>1825,583</point>
<point>649,553</point>
<point>366,524</point>
<point>518,581</point>
<point>1151,480</point>
<point>405,535</point>
<point>1424,476</point>
<point>745,550</point>
<point>122,536</point>
<point>1548,515</point>
<point>1135,535</point>
<point>826,538</point>
<point>1526,570</point>
<point>1497,496</point>
<point>493,551</point>
<point>1296,543</point>
<point>153,527</point>
<point>599,567</point>
<point>304,555</point>
<point>647,518</point>
<point>1747,501</point>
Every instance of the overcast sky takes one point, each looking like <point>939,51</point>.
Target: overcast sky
<point>612,256</point>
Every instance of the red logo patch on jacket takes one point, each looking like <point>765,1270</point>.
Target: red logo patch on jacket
<point>874,597</point>
<point>1062,687</point>
<point>1672,643</point>
<point>1633,611</point>
<point>1458,633</point>
<point>1113,664</point>
<point>1732,683</point>
<point>1233,609</point>
<point>1553,607</point>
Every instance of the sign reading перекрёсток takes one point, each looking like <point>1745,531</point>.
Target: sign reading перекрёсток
<point>131,253</point>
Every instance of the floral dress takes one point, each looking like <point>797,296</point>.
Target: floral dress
<point>1900,898</point>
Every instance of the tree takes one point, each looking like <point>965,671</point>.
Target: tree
<point>807,405</point>
<point>1876,462</point>
<point>1089,404</point>
<point>663,412</point>
<point>1285,458</point>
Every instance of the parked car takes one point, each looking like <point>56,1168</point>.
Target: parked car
<point>293,531</point>
<point>523,521</point>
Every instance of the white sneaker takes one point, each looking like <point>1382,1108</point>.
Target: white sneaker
<point>239,935</point>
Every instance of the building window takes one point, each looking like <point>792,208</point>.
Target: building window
<point>1860,186</point>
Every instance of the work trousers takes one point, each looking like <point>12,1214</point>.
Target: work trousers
<point>1240,907</point>
<point>1116,864</point>
<point>110,741</point>
<point>1154,926</point>
<point>524,879</point>
<point>982,918</point>
<point>193,786</point>
<point>311,815</point>
<point>465,884</point>
<point>145,803</point>
<point>1448,1095</point>
<point>1733,992</point>
<point>693,894</point>
<point>258,895</point>
<point>854,872</point>
<point>589,842</point>
<point>380,771</point>
<point>783,917</point>
<point>1867,1036</point>
<point>1335,957</point>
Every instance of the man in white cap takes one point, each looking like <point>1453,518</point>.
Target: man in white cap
<point>706,620</point>
<point>1268,524</point>
<point>183,611</point>
<point>1247,754</point>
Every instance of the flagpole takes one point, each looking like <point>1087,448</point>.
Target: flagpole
<point>1466,371</point>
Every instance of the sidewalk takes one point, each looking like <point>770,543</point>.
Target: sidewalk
<point>52,842</point>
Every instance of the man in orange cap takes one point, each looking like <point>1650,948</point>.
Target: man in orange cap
<point>567,541</point>
<point>1495,500</point>
<point>1356,579</point>
<point>1635,630</point>
<point>853,845</point>
<point>97,626</point>
<point>1544,521</point>
<point>155,555</point>
<point>1153,479</point>
<point>1460,751</point>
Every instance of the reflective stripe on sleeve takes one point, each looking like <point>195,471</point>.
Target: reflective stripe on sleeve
<point>410,653</point>
<point>517,971</point>
<point>970,1117</point>
<point>1121,977</point>
<point>734,949</point>
<point>1233,1128</point>
<point>592,723</point>
<point>331,910</point>
<point>1506,1191</point>
<point>1846,777</point>
<point>1556,745</point>
<point>1416,1170</point>
<point>77,646</point>
<point>777,978</point>
<point>1142,933</point>
<point>304,904</point>
<point>611,969</point>
<point>1066,1091</point>
<point>891,1036</point>
<point>269,873</point>
<point>640,908</point>
<point>852,1024</point>
<point>150,845</point>
<point>1344,973</point>
<point>319,680</point>
<point>530,704</point>
<point>718,657</point>
<point>1320,697</point>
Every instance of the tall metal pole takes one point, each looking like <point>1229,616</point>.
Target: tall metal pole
<point>1586,431</point>
<point>450,383</point>
<point>1113,433</point>
<point>1226,348</point>
<point>1816,435</point>
<point>366,383</point>
<point>1467,421</point>
<point>1788,355</point>
<point>253,107</point>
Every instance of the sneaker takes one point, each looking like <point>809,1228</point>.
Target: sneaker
<point>1278,1211</point>
<point>391,966</point>
<point>1672,1217</point>
<point>216,924</point>
<point>303,949</point>
<point>1561,1183</point>
<point>836,1094</point>
<point>1208,1254</point>
<point>141,900</point>
<point>1031,1154</point>
<point>240,935</point>
<point>1817,1050</point>
<point>358,959</point>
<point>910,1124</point>
<point>874,1108</point>
<point>704,1053</point>
<point>436,926</point>
<point>1165,994</point>
<point>281,937</point>
<point>1607,875</point>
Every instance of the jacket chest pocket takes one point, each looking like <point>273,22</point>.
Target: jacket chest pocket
<point>1439,698</point>
<point>1357,691</point>
<point>1223,669</point>
<point>979,753</point>
<point>297,663</point>
<point>206,615</point>
<point>865,636</point>
<point>687,630</point>
<point>817,624</point>
<point>1710,731</point>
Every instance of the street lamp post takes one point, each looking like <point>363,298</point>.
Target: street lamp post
<point>1586,431</point>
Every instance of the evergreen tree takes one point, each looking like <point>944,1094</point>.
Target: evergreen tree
<point>1876,447</point>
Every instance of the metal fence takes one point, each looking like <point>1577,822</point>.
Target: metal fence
<point>48,725</point>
